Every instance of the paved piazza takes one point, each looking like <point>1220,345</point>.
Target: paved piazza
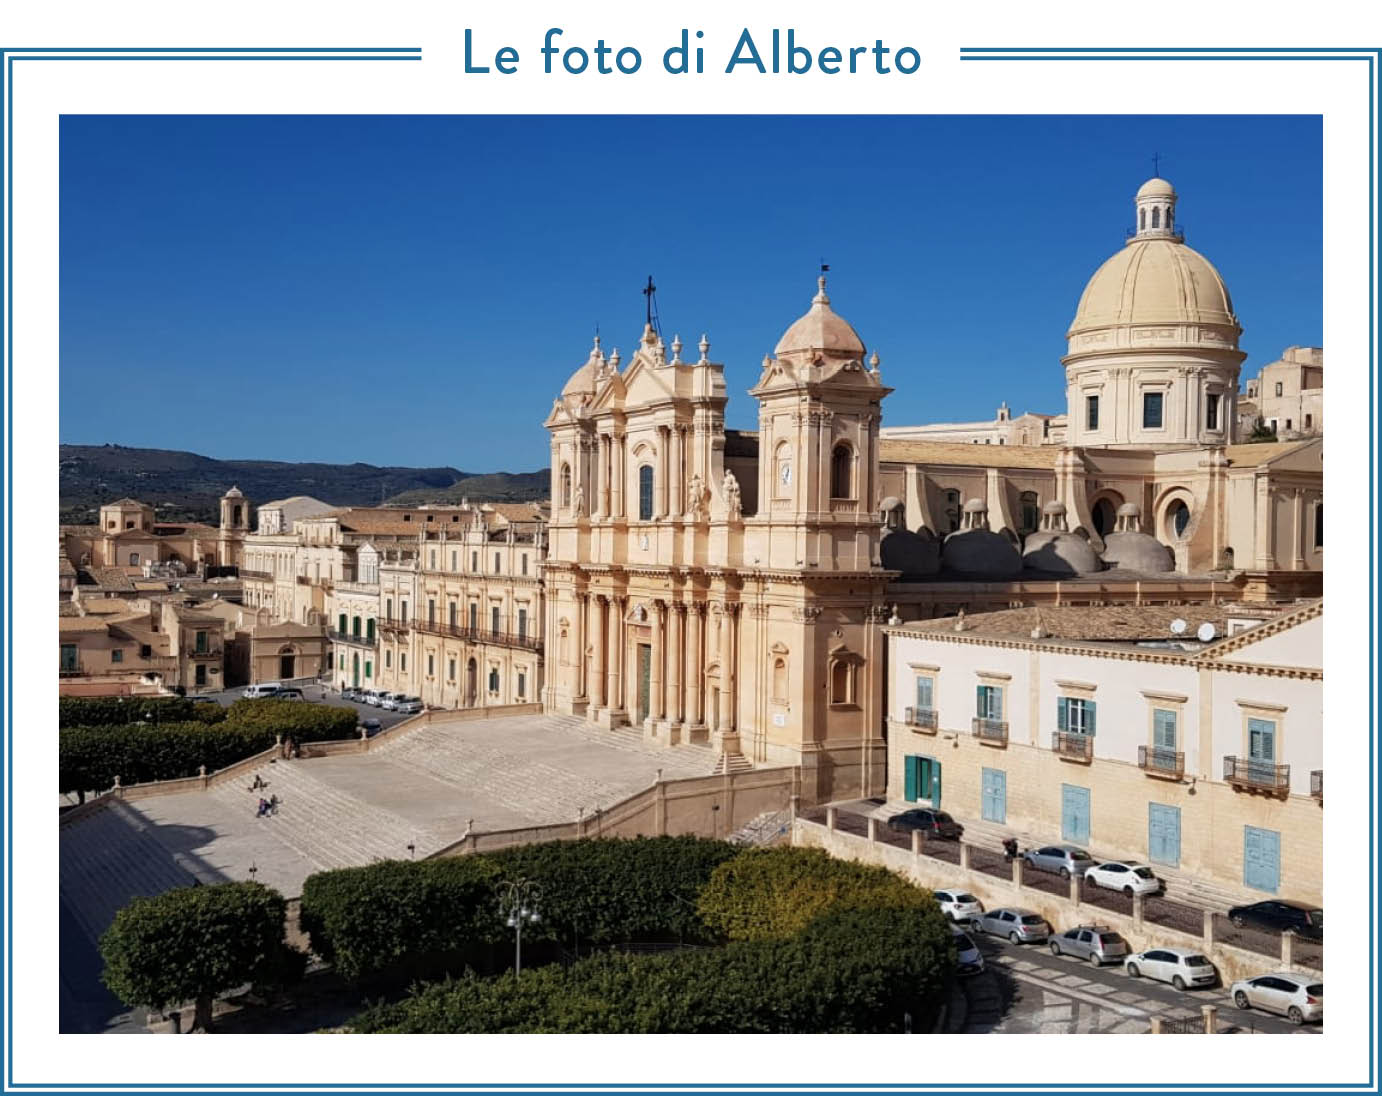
<point>424,789</point>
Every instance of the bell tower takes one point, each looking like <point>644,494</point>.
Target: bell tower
<point>235,523</point>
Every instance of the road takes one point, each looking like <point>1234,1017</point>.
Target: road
<point>1027,990</point>
<point>321,694</point>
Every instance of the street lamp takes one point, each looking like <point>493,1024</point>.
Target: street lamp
<point>518,900</point>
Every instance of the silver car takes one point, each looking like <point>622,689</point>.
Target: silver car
<point>1298,997</point>
<point>1183,968</point>
<point>1098,944</point>
<point>1064,860</point>
<point>968,959</point>
<point>1018,925</point>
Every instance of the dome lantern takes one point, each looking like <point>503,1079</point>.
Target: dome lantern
<point>1155,210</point>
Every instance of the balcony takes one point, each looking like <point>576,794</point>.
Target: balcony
<point>391,625</point>
<point>843,506</point>
<point>1317,784</point>
<point>994,732</point>
<point>1247,774</point>
<point>1156,761</point>
<point>303,580</point>
<point>71,670</point>
<point>921,719</point>
<point>1073,747</point>
<point>257,576</point>
<point>347,637</point>
<point>521,640</point>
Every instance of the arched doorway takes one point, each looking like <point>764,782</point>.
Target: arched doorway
<point>287,664</point>
<point>712,697</point>
<point>470,683</point>
<point>1105,515</point>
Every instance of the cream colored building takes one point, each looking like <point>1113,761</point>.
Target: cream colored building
<point>1104,728</point>
<point>702,584</point>
<point>1029,428</point>
<point>1287,395</point>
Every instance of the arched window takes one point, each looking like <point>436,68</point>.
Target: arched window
<point>1105,517</point>
<point>566,487</point>
<point>1142,225</point>
<point>1031,515</point>
<point>1178,518</point>
<point>1156,218</point>
<point>494,679</point>
<point>841,674</point>
<point>842,472</point>
<point>645,492</point>
<point>779,679</point>
<point>782,471</point>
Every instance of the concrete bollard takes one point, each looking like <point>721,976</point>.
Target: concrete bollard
<point>830,818</point>
<point>916,842</point>
<point>1156,1025</point>
<point>1211,1019</point>
<point>1075,890</point>
<point>1137,910</point>
<point>873,830</point>
<point>1288,949</point>
<point>1208,931</point>
<point>964,857</point>
<point>1017,872</point>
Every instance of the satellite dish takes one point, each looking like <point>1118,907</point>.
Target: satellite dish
<point>1206,632</point>
<point>1178,627</point>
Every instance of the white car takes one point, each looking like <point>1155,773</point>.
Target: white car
<point>408,705</point>
<point>960,906</point>
<point>389,701</point>
<point>1182,967</point>
<point>1298,997</point>
<point>1121,875</point>
<point>968,959</point>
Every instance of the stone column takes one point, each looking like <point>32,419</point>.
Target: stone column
<point>657,707</point>
<point>604,672</point>
<point>726,669</point>
<point>620,700</point>
<point>675,614</point>
<point>1208,931</point>
<point>695,671</point>
<point>579,684</point>
<point>618,477</point>
<point>678,501</point>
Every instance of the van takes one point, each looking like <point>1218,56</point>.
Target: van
<point>371,697</point>
<point>266,688</point>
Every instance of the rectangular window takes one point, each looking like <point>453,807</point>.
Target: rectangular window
<point>1278,388</point>
<point>1091,413</point>
<point>431,611</point>
<point>145,650</point>
<point>451,669</point>
<point>645,492</point>
<point>494,619</point>
<point>369,629</point>
<point>522,623</point>
<point>496,563</point>
<point>117,655</point>
<point>369,669</point>
<point>1319,526</point>
<point>522,684</point>
<point>403,612</point>
<point>1164,729</point>
<point>524,558</point>
<point>453,561</point>
<point>199,677</point>
<point>926,687</point>
<point>474,561</point>
<point>388,609</point>
<point>1211,412</point>
<point>1151,410</point>
<point>402,662</point>
<point>388,660</point>
<point>431,665</point>
<point>200,644</point>
<point>1075,715</point>
<point>494,680</point>
<point>989,703</point>
<point>452,618</point>
<point>69,656</point>
<point>432,560</point>
<point>341,624</point>
<point>1262,739</point>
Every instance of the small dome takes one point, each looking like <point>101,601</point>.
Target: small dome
<point>1130,510</point>
<point>1055,508</point>
<point>234,493</point>
<point>980,553</point>
<point>583,381</point>
<point>1137,552</point>
<point>1057,552</point>
<point>821,330</point>
<point>1156,187</point>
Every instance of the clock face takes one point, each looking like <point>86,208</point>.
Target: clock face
<point>786,474</point>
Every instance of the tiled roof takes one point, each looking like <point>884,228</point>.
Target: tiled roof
<point>515,511</point>
<point>1108,623</point>
<point>904,451</point>
<point>127,502</point>
<point>1254,453</point>
<point>112,578</point>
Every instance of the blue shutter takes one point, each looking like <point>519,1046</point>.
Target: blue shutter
<point>1089,717</point>
<point>1062,713</point>
<point>979,702</point>
<point>936,784</point>
<point>912,771</point>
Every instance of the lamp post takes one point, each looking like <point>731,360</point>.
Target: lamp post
<point>518,900</point>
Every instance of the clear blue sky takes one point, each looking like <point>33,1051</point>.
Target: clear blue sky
<point>416,290</point>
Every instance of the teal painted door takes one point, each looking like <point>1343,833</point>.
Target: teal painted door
<point>1163,834</point>
<point>911,778</point>
<point>995,795</point>
<point>645,669</point>
<point>1261,859</point>
<point>922,779</point>
<point>1074,814</point>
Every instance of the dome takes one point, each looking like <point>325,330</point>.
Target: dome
<point>234,493</point>
<point>1156,187</point>
<point>583,382</point>
<point>1137,552</point>
<point>1058,552</point>
<point>980,553</point>
<point>821,329</point>
<point>1154,281</point>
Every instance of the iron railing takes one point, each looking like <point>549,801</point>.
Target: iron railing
<point>1159,761</point>
<point>389,624</point>
<point>923,719</point>
<point>1246,772</point>
<point>991,730</point>
<point>495,637</point>
<point>1317,783</point>
<point>262,576</point>
<point>350,637</point>
<point>1073,747</point>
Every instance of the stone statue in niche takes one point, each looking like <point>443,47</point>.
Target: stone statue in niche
<point>733,503</point>
<point>580,501</point>
<point>695,497</point>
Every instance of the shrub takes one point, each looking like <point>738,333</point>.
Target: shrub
<point>194,943</point>
<point>860,970</point>
<point>295,719</point>
<point>108,711</point>
<point>774,893</point>
<point>403,919</point>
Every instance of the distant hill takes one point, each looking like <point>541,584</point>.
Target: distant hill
<point>188,487</point>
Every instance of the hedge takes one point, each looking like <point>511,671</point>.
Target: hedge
<point>402,919</point>
<point>90,757</point>
<point>109,711</point>
<point>773,893</point>
<point>849,970</point>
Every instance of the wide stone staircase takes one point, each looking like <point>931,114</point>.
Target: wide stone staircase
<point>109,857</point>
<point>768,828</point>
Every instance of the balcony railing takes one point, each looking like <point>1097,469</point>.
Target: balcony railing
<point>303,580</point>
<point>1263,776</point>
<point>923,719</point>
<point>388,624</point>
<point>523,640</point>
<point>70,671</point>
<point>348,637</point>
<point>1073,747</point>
<point>1158,761</point>
<point>994,731</point>
<point>1317,784</point>
<point>262,576</point>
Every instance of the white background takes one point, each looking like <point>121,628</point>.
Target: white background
<point>45,90</point>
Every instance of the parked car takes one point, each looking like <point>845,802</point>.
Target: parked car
<point>1018,925</point>
<point>263,689</point>
<point>389,701</point>
<point>410,705</point>
<point>202,699</point>
<point>1304,919</point>
<point>1125,876</point>
<point>968,959</point>
<point>288,694</point>
<point>1097,944</point>
<point>958,905</point>
<point>350,693</point>
<point>1298,997</point>
<point>933,823</point>
<point>370,697</point>
<point>1064,860</point>
<point>372,727</point>
<point>1181,967</point>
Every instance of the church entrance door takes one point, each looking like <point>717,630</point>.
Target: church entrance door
<point>645,670</point>
<point>286,663</point>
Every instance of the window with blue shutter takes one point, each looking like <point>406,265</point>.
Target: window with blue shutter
<point>1262,739</point>
<point>989,702</point>
<point>1062,713</point>
<point>1075,715</point>
<point>1163,729</point>
<point>924,693</point>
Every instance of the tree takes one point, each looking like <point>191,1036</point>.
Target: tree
<point>193,943</point>
<point>1261,431</point>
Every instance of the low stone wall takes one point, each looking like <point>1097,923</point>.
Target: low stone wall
<point>709,806</point>
<point>1061,912</point>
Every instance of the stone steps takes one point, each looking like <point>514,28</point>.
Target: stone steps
<point>731,763</point>
<point>768,828</point>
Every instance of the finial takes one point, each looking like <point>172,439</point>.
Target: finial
<point>820,297</point>
<point>767,360</point>
<point>705,349</point>
<point>873,362</point>
<point>676,350</point>
<point>614,358</point>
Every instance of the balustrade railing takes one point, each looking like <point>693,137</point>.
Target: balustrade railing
<point>1246,772</point>
<point>1158,761</point>
<point>991,730</point>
